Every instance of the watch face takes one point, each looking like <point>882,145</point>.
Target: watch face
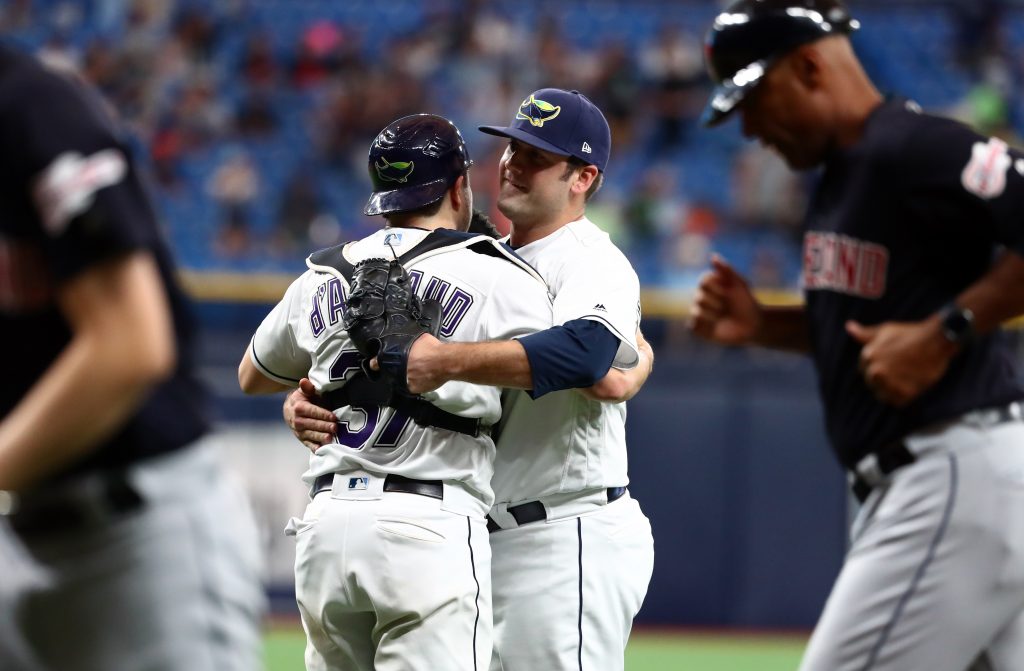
<point>958,324</point>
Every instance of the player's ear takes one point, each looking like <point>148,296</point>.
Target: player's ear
<point>584,179</point>
<point>459,193</point>
<point>808,66</point>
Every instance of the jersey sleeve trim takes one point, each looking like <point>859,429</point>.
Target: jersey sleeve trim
<point>290,381</point>
<point>631,349</point>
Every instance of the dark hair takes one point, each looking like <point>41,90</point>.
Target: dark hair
<point>572,165</point>
<point>481,224</point>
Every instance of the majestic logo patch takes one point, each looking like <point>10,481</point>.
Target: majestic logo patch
<point>601,307</point>
<point>537,111</point>
<point>845,265</point>
<point>68,186</point>
<point>985,174</point>
<point>398,171</point>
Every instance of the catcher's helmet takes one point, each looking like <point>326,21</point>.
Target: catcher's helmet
<point>750,35</point>
<point>413,162</point>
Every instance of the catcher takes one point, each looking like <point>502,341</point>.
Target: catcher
<point>392,563</point>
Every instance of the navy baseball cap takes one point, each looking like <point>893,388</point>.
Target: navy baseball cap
<point>562,122</point>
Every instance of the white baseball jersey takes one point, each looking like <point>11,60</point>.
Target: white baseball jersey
<point>564,442</point>
<point>566,588</point>
<point>485,297</point>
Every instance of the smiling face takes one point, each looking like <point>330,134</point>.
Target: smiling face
<point>532,188</point>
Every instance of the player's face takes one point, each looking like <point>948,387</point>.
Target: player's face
<point>531,188</point>
<point>781,114</point>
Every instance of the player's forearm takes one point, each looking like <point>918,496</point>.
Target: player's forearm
<point>998,295</point>
<point>783,327</point>
<point>85,396</point>
<point>122,345</point>
<point>499,364</point>
<point>619,385</point>
<point>252,381</point>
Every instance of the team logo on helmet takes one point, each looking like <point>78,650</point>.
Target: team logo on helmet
<point>537,111</point>
<point>398,171</point>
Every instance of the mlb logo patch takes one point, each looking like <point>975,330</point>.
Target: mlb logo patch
<point>393,239</point>
<point>358,483</point>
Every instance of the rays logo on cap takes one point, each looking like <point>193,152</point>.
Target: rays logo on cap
<point>398,171</point>
<point>537,111</point>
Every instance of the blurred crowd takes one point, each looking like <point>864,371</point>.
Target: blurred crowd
<point>254,116</point>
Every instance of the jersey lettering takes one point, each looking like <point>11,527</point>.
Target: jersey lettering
<point>354,435</point>
<point>455,303</point>
<point>845,265</point>
<point>335,300</point>
<point>316,320</point>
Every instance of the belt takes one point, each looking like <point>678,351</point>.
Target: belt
<point>897,455</point>
<point>392,483</point>
<point>534,511</point>
<point>46,512</point>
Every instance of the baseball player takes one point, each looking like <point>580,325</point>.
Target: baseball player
<point>392,560</point>
<point>573,552</point>
<point>912,258</point>
<point>124,546</point>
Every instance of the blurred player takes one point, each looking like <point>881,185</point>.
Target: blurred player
<point>572,552</point>
<point>393,562</point>
<point>912,259</point>
<point>130,548</point>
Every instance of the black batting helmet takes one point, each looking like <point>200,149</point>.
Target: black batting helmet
<point>413,162</point>
<point>750,35</point>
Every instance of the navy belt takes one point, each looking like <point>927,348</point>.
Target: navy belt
<point>392,483</point>
<point>55,512</point>
<point>534,511</point>
<point>897,455</point>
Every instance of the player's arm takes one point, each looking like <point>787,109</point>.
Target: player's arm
<point>573,355</point>
<point>620,385</point>
<point>901,360</point>
<point>725,311</point>
<point>253,381</point>
<point>122,344</point>
<point>274,362</point>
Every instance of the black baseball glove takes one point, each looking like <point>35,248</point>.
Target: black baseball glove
<point>384,317</point>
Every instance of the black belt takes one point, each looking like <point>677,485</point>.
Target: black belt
<point>51,512</point>
<point>392,483</point>
<point>534,511</point>
<point>897,455</point>
<point>893,456</point>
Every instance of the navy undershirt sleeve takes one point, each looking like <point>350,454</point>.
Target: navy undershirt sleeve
<point>574,355</point>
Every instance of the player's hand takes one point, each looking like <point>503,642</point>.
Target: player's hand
<point>902,360</point>
<point>311,423</point>
<point>421,375</point>
<point>724,309</point>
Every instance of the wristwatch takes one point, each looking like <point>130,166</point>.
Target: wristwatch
<point>957,324</point>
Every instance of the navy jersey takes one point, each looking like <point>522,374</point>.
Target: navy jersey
<point>900,224</point>
<point>70,199</point>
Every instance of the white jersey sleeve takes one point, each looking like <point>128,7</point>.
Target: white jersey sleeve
<point>596,281</point>
<point>274,348</point>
